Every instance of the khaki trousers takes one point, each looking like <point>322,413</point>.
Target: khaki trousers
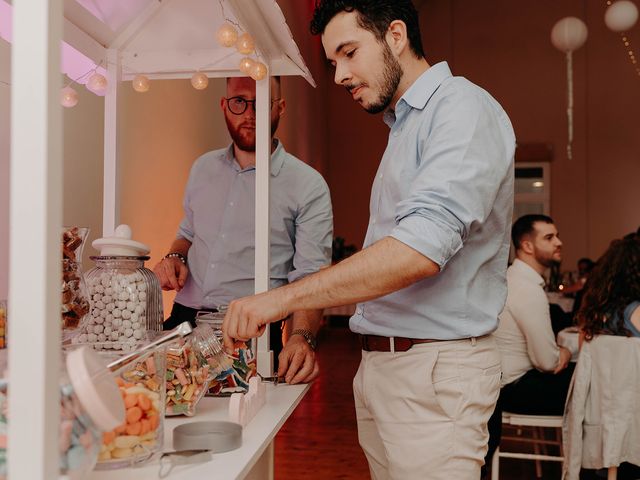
<point>422,414</point>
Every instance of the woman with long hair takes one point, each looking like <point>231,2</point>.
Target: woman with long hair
<point>612,297</point>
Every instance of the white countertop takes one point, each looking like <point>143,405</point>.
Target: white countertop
<point>256,437</point>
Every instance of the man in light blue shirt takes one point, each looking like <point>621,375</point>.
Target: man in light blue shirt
<point>430,281</point>
<point>211,262</point>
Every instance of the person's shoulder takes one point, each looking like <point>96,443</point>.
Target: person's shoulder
<point>293,166</point>
<point>209,158</point>
<point>464,93</point>
<point>523,284</point>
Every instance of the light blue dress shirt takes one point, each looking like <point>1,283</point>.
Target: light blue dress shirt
<point>219,221</point>
<point>444,187</point>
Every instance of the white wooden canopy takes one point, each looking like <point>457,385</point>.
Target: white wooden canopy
<point>163,39</point>
<point>175,38</point>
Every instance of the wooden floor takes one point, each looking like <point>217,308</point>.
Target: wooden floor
<point>320,440</point>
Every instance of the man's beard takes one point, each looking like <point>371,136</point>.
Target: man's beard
<point>547,262</point>
<point>390,80</point>
<point>245,140</point>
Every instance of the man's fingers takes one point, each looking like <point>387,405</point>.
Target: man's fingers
<point>183,271</point>
<point>283,363</point>
<point>304,374</point>
<point>171,274</point>
<point>297,362</point>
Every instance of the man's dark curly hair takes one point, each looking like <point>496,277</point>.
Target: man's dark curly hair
<point>373,15</point>
<point>613,284</point>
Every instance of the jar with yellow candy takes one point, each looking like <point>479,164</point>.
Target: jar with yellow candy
<point>140,377</point>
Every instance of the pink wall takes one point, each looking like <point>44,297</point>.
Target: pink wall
<point>504,46</point>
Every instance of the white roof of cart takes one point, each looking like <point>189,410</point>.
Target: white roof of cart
<point>175,38</point>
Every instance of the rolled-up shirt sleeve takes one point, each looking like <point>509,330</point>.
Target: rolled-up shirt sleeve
<point>461,167</point>
<point>313,232</point>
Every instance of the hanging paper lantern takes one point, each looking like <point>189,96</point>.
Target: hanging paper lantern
<point>246,65</point>
<point>68,97</point>
<point>569,34</point>
<point>259,71</point>
<point>245,44</point>
<point>227,35</point>
<point>199,81</point>
<point>140,83</point>
<point>621,16</point>
<point>97,84</point>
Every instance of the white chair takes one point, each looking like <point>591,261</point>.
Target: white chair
<point>536,422</point>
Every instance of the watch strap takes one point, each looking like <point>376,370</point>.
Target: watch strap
<point>307,335</point>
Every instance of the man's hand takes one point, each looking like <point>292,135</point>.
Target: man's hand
<point>297,361</point>
<point>171,273</point>
<point>563,359</point>
<point>247,317</point>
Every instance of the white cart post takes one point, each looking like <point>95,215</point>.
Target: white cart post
<point>35,235</point>
<point>263,176</point>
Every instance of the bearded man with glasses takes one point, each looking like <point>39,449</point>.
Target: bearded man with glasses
<point>211,261</point>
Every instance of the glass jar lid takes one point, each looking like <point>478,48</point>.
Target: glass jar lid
<point>96,388</point>
<point>120,244</point>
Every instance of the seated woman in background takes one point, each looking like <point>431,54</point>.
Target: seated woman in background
<point>612,295</point>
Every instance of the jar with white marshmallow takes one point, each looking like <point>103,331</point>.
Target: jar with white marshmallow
<point>125,297</point>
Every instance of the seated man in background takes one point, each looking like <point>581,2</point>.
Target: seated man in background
<point>211,261</point>
<point>535,370</point>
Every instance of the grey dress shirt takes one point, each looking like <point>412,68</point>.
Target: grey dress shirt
<point>219,221</point>
<point>444,187</point>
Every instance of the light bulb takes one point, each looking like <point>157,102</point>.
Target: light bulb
<point>246,65</point>
<point>68,97</point>
<point>227,35</point>
<point>140,83</point>
<point>97,84</point>
<point>245,44</point>
<point>199,81</point>
<point>259,71</point>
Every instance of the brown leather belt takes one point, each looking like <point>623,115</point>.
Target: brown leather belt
<point>377,343</point>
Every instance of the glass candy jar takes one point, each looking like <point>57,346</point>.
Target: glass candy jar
<point>90,403</point>
<point>75,300</point>
<point>125,297</point>
<point>191,364</point>
<point>141,380</point>
<point>233,372</point>
<point>141,434</point>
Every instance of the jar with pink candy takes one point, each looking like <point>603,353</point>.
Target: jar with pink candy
<point>90,403</point>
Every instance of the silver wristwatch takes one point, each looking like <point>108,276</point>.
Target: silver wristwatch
<point>308,336</point>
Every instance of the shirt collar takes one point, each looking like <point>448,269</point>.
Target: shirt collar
<point>526,270</point>
<point>277,159</point>
<point>420,91</point>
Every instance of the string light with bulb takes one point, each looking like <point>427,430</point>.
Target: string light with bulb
<point>228,36</point>
<point>96,84</point>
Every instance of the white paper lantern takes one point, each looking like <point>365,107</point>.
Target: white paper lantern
<point>621,16</point>
<point>68,97</point>
<point>199,81</point>
<point>258,71</point>
<point>246,65</point>
<point>245,44</point>
<point>97,84</point>
<point>140,83</point>
<point>569,34</point>
<point>227,35</point>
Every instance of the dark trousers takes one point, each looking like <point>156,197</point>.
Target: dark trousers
<point>535,393</point>
<point>180,313</point>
